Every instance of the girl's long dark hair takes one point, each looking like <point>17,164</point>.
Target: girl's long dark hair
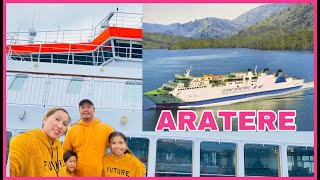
<point>116,133</point>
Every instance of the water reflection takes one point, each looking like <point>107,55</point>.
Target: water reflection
<point>217,159</point>
<point>300,161</point>
<point>291,101</point>
<point>261,160</point>
<point>174,158</point>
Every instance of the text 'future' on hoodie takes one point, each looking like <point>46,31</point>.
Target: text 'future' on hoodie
<point>126,166</point>
<point>90,142</point>
<point>33,155</point>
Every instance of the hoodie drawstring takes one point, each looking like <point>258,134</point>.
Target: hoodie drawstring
<point>82,139</point>
<point>55,165</point>
<point>58,164</point>
<point>94,139</point>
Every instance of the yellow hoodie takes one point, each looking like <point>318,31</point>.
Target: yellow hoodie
<point>126,166</point>
<point>70,174</point>
<point>90,142</point>
<point>32,155</point>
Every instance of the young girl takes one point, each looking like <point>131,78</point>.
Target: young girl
<point>38,152</point>
<point>70,159</point>
<point>121,162</point>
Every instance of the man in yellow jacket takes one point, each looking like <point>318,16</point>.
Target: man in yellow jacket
<point>89,139</point>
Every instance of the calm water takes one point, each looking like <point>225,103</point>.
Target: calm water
<point>159,66</point>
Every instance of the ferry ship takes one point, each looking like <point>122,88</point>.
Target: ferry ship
<point>208,89</point>
<point>56,71</point>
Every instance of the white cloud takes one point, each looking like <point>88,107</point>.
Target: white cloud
<point>182,13</point>
<point>66,16</point>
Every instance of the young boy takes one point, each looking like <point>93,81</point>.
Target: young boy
<point>70,159</point>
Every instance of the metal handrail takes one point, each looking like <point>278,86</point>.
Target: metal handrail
<point>84,35</point>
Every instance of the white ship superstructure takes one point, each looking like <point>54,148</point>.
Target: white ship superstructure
<point>187,90</point>
<point>54,69</point>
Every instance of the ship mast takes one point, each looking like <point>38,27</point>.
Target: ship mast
<point>187,74</point>
<point>255,70</point>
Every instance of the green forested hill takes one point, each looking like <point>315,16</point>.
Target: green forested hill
<point>291,29</point>
<point>296,18</point>
<point>271,40</point>
<point>161,41</point>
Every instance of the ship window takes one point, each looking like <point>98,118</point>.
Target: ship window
<point>261,160</point>
<point>45,58</point>
<point>140,148</point>
<point>75,86</point>
<point>217,159</point>
<point>60,58</point>
<point>137,43</point>
<point>122,48</point>
<point>8,136</point>
<point>173,158</point>
<point>83,59</point>
<point>300,161</point>
<point>136,51</point>
<point>18,82</point>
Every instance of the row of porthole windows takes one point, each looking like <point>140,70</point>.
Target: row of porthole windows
<point>174,158</point>
<point>238,82</point>
<point>192,88</point>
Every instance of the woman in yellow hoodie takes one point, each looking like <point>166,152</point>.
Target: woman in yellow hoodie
<point>38,152</point>
<point>121,162</point>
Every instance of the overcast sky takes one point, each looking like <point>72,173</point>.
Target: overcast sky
<point>66,15</point>
<point>83,16</point>
<point>182,13</point>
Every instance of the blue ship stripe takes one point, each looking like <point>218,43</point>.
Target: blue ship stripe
<point>230,98</point>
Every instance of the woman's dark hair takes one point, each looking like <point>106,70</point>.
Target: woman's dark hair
<point>68,154</point>
<point>55,109</point>
<point>114,134</point>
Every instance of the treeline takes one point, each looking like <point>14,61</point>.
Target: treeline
<point>269,40</point>
<point>161,41</point>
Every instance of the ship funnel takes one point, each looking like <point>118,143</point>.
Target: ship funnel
<point>266,70</point>
<point>279,73</point>
<point>249,73</point>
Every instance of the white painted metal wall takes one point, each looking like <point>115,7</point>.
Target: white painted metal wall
<point>49,90</point>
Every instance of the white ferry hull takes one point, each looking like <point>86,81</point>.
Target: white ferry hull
<point>222,95</point>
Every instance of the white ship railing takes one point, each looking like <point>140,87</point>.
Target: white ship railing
<point>51,90</point>
<point>95,57</point>
<point>118,19</point>
<point>113,19</point>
